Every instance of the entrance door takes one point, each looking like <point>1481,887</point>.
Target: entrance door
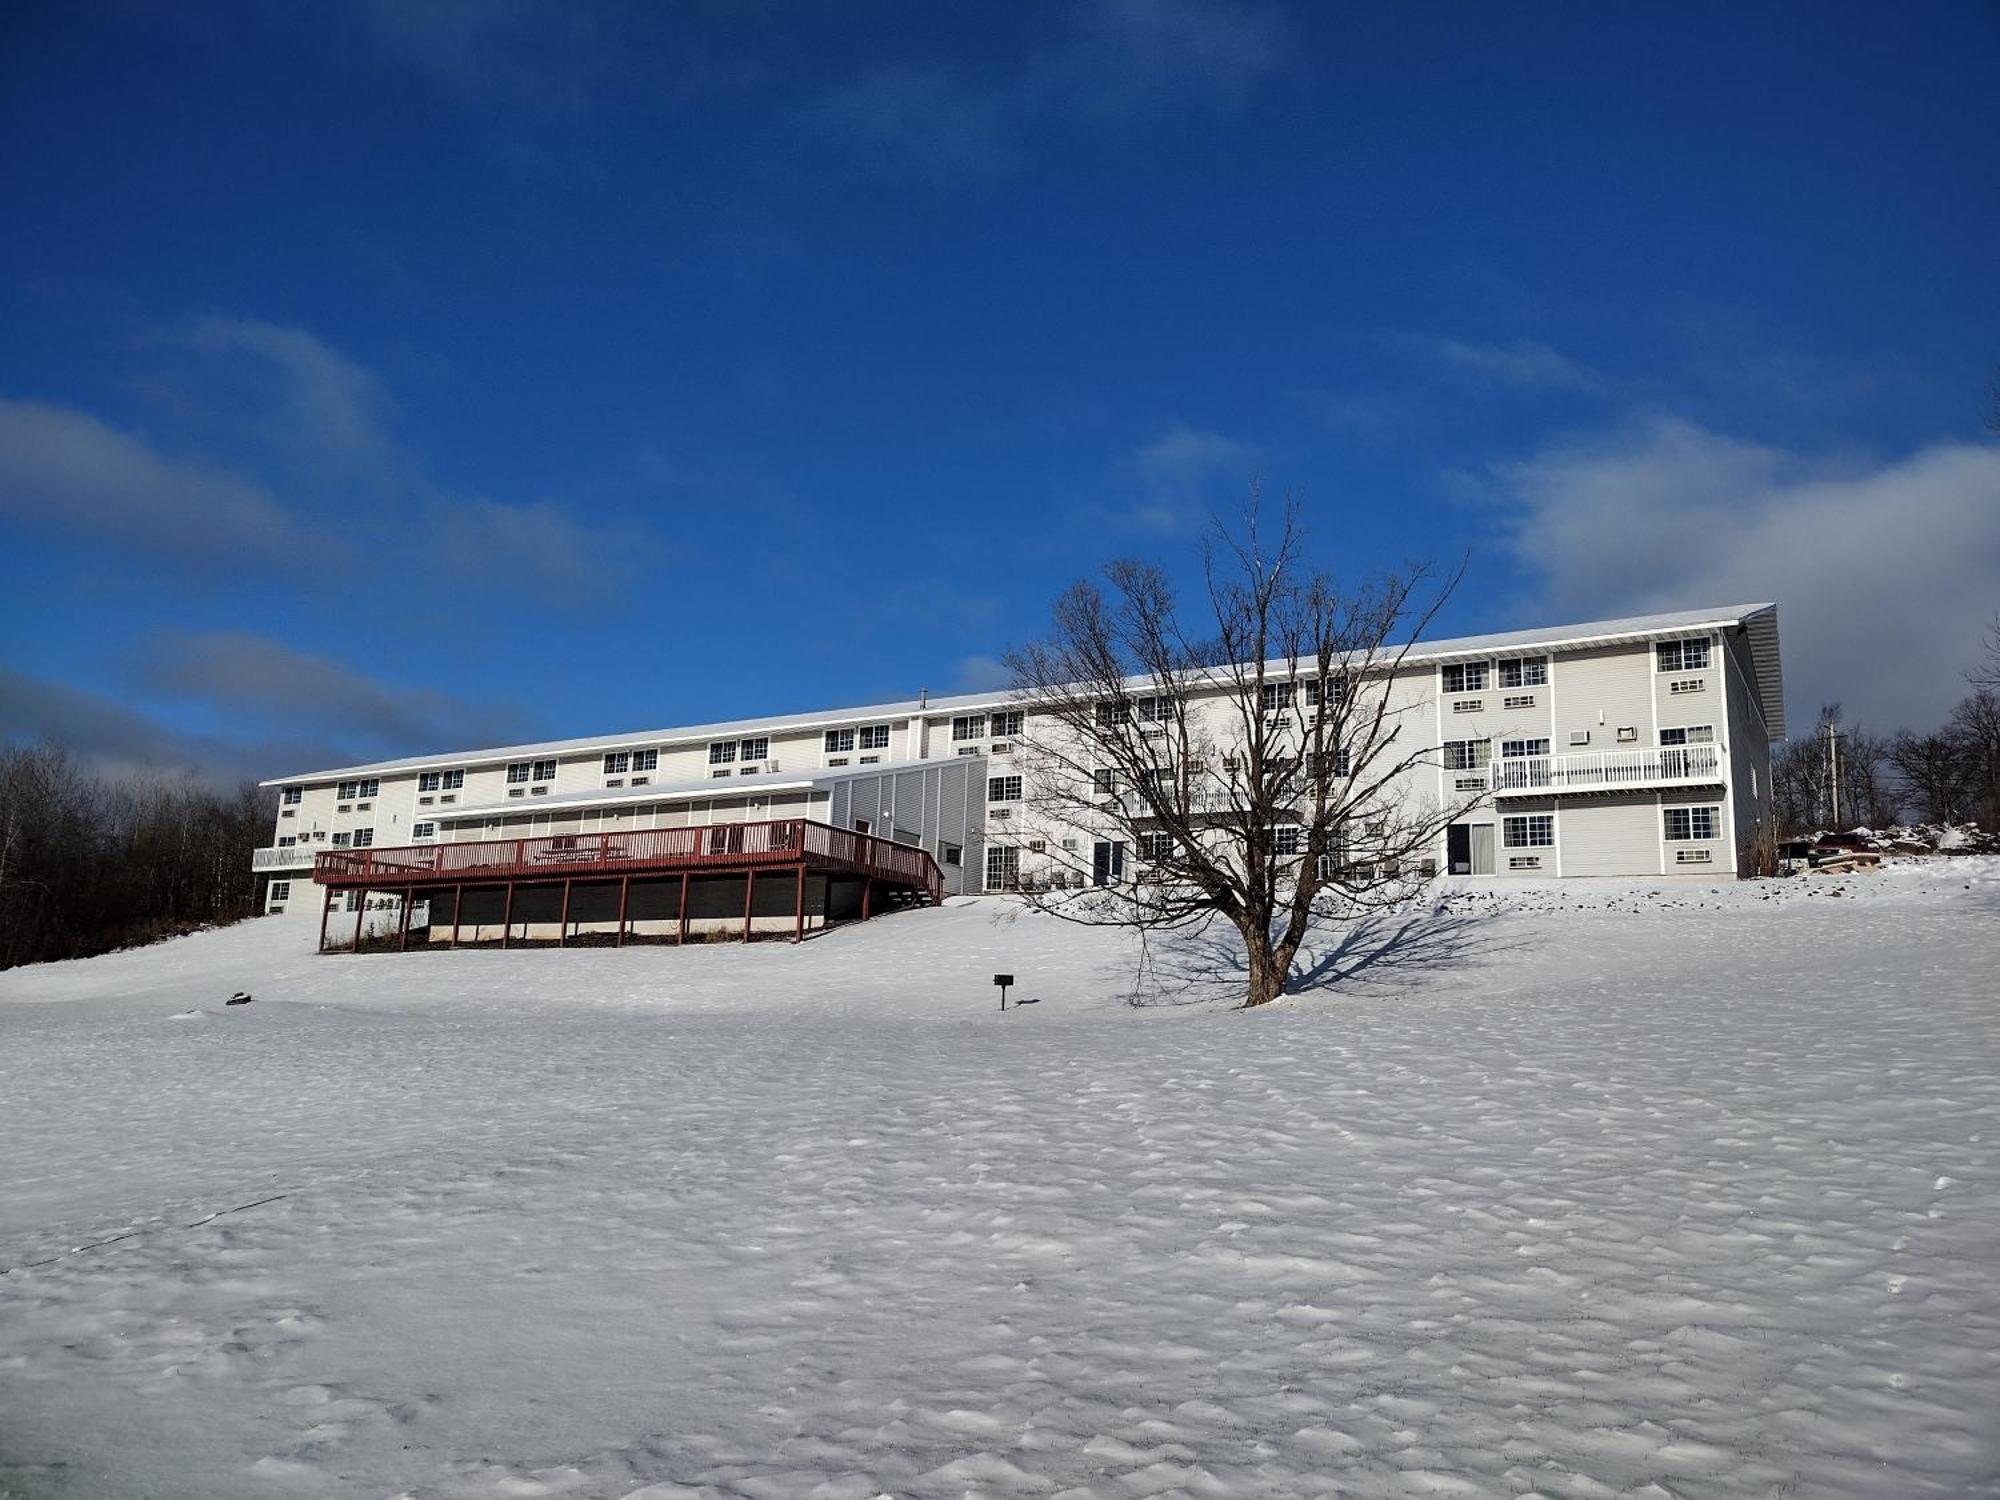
<point>1482,848</point>
<point>1107,864</point>
<point>1458,849</point>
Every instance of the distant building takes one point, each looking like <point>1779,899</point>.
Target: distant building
<point>1620,747</point>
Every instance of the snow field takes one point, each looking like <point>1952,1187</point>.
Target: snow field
<point>1669,1189</point>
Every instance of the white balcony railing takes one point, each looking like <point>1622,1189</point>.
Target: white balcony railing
<point>298,857</point>
<point>1608,770</point>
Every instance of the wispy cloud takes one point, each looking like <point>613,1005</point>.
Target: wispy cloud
<point>265,681</point>
<point>63,471</point>
<point>1883,569</point>
<point>1521,365</point>
<point>1181,476</point>
<point>319,399</point>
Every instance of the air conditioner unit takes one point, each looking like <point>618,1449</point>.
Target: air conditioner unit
<point>1579,736</point>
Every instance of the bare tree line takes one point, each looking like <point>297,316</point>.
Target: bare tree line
<point>1950,774</point>
<point>91,862</point>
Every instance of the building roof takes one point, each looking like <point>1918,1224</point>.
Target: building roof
<point>1759,620</point>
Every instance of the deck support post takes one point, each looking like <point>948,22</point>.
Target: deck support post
<point>403,927</point>
<point>867,895</point>
<point>799,906</point>
<point>562,937</point>
<point>457,909</point>
<point>325,911</point>
<point>507,917</point>
<point>624,903</point>
<point>360,915</point>
<point>749,891</point>
<point>684,909</point>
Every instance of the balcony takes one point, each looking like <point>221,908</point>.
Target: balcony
<point>1608,770</point>
<point>297,857</point>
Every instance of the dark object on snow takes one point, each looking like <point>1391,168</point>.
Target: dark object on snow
<point>1019,1003</point>
<point>1003,980</point>
<point>241,997</point>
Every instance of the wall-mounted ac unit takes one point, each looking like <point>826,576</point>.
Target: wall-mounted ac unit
<point>1579,736</point>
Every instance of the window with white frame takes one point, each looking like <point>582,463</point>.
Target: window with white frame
<point>1317,692</point>
<point>423,830</point>
<point>617,762</point>
<point>1277,696</point>
<point>1157,709</point>
<point>1285,840</point>
<point>1003,789</point>
<point>363,837</point>
<point>952,854</point>
<point>1006,724</point>
<point>1113,712</point>
<point>969,727</point>
<point>1690,655</point>
<point>1467,755</point>
<point>350,790</point>
<point>1522,700</point>
<point>720,771</point>
<point>1104,780</point>
<point>1465,677</point>
<point>1003,867</point>
<point>1525,671</point>
<point>646,760</point>
<point>1338,762</point>
<point>281,890</point>
<point>874,737</point>
<point>1691,823</point>
<point>291,795</point>
<point>441,781</point>
<point>1530,831</point>
<point>758,748</point>
<point>342,840</point>
<point>838,741</point>
<point>1686,685</point>
<point>1513,749</point>
<point>1156,848</point>
<point>720,753</point>
<point>288,840</point>
<point>1693,734</point>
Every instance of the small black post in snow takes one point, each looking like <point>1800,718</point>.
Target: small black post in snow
<point>1003,980</point>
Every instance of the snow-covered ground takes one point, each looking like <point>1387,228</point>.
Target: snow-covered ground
<point>1603,1190</point>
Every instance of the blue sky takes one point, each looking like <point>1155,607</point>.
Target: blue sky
<point>401,376</point>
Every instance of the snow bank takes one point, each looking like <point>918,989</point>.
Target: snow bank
<point>1574,1190</point>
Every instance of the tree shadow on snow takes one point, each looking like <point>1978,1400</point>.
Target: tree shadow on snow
<point>1370,955</point>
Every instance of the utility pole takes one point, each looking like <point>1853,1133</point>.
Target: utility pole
<point>1833,772</point>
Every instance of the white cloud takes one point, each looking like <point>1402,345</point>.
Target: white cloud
<point>1520,365</point>
<point>322,400</point>
<point>1884,571</point>
<point>983,674</point>
<point>63,470</point>
<point>1185,474</point>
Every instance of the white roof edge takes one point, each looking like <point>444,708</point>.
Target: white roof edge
<point>1575,637</point>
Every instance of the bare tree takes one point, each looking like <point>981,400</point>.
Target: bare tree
<point>1987,673</point>
<point>1932,770</point>
<point>1974,728</point>
<point>1250,755</point>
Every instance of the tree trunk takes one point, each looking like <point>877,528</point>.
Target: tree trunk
<point>1267,975</point>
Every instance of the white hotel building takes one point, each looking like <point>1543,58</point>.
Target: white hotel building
<point>1636,747</point>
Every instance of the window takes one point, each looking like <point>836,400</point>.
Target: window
<point>1333,762</point>
<point>519,772</point>
<point>969,727</point>
<point>1525,700</point>
<point>289,813</point>
<point>1685,823</point>
<point>756,749</point>
<point>952,854</point>
<point>1683,656</point>
<point>342,840</point>
<point>423,830</point>
<point>1003,868</point>
<point>1524,862</point>
<point>871,760</point>
<point>1285,840</point>
<point>434,781</point>
<point>545,770</point>
<point>1003,789</point>
<point>1535,831</point>
<point>281,890</point>
<point>1277,697</point>
<point>1316,691</point>
<point>1005,725</point>
<point>838,741</point>
<point>1467,755</point>
<point>874,737</point>
<point>1157,710</point>
<point>721,753</point>
<point>1156,848</point>
<point>363,837</point>
<point>720,771</point>
<point>290,796</point>
<point>1509,749</point>
<point>1465,677</point>
<point>1528,671</point>
<point>1685,685</point>
<point>447,799</point>
<point>617,762</point>
<point>1691,856</point>
<point>837,760</point>
<point>288,841</point>
<point>1468,705</point>
<point>1155,778</point>
<point>1694,734</point>
<point>349,790</point>
<point>1104,780</point>
<point>1113,713</point>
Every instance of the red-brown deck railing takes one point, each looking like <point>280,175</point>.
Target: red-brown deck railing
<point>723,847</point>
